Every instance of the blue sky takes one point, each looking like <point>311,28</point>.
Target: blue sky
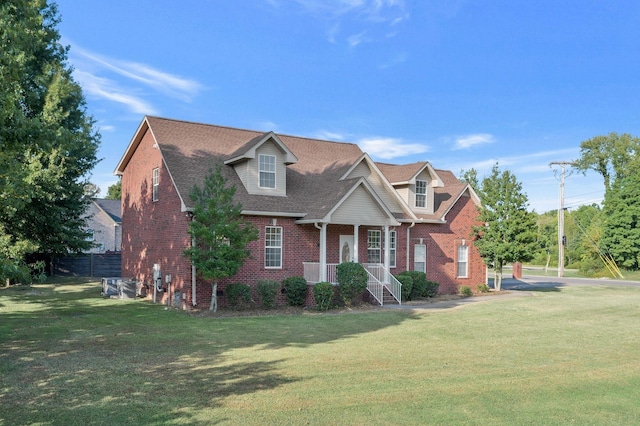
<point>460,84</point>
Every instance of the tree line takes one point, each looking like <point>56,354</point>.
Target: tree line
<point>597,239</point>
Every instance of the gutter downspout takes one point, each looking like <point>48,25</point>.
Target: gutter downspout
<point>409,242</point>
<point>193,278</point>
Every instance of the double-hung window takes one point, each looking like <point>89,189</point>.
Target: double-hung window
<point>273,247</point>
<point>421,193</point>
<point>392,249</point>
<point>373,246</point>
<point>420,258</point>
<point>155,183</point>
<point>463,261</point>
<point>267,169</point>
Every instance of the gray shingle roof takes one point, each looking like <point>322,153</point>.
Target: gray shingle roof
<point>190,150</point>
<point>111,207</point>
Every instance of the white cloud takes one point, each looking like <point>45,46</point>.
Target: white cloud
<point>389,148</point>
<point>329,135</point>
<point>104,88</point>
<point>178,87</point>
<point>389,13</point>
<point>357,39</point>
<point>466,142</point>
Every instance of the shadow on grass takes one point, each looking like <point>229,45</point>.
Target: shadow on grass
<point>68,356</point>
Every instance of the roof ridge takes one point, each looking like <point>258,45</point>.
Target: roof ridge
<point>207,124</point>
<point>250,130</point>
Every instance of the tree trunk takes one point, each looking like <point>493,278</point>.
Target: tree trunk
<point>497,281</point>
<point>214,297</point>
<point>546,267</point>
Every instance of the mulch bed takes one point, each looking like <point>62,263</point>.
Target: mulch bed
<point>258,311</point>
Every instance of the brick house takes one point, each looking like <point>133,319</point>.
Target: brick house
<point>103,222</point>
<point>315,203</point>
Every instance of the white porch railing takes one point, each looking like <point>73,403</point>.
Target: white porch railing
<point>379,278</point>
<point>384,276</point>
<point>312,272</point>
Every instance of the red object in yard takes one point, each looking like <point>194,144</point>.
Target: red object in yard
<point>517,270</point>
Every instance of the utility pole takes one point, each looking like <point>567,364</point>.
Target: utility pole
<point>561,237</point>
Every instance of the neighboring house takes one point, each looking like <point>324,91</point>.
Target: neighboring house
<point>103,222</point>
<point>315,203</point>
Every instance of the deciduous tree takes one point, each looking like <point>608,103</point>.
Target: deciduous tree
<point>509,230</point>
<point>47,141</point>
<point>218,231</point>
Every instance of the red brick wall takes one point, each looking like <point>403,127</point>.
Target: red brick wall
<point>153,232</point>
<point>442,248</point>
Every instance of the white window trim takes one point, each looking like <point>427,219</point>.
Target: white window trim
<point>155,185</point>
<point>393,237</point>
<point>462,260</point>
<point>261,171</point>
<point>267,230</point>
<point>423,261</point>
<point>422,195</point>
<point>378,240</point>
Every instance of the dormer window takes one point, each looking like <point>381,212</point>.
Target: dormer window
<point>267,169</point>
<point>421,193</point>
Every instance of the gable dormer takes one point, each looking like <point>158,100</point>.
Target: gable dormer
<point>261,165</point>
<point>415,184</point>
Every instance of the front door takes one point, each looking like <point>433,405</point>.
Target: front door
<point>346,248</point>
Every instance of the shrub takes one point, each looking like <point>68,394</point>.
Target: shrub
<point>352,281</point>
<point>268,290</point>
<point>296,290</point>
<point>483,288</point>
<point>465,290</point>
<point>419,284</point>
<point>407,286</point>
<point>238,295</point>
<point>431,289</point>
<point>323,293</point>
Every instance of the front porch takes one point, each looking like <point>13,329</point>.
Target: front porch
<point>379,279</point>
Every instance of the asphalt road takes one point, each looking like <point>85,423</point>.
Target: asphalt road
<point>532,282</point>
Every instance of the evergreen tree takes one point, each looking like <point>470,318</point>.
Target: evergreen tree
<point>509,230</point>
<point>471,177</point>
<point>47,141</point>
<point>219,233</point>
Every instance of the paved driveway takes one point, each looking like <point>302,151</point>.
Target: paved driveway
<point>515,288</point>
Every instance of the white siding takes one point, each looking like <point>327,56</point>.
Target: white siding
<point>428,209</point>
<point>251,180</point>
<point>360,208</point>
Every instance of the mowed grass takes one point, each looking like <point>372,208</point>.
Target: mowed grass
<point>70,357</point>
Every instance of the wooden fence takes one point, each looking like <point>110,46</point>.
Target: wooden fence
<point>89,265</point>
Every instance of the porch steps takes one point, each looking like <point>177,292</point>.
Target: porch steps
<point>387,297</point>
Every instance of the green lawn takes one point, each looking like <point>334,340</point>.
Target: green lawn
<point>570,356</point>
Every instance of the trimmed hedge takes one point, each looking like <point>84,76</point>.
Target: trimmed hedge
<point>268,290</point>
<point>296,290</point>
<point>352,281</point>
<point>407,286</point>
<point>238,295</point>
<point>323,293</point>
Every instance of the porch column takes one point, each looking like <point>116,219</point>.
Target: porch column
<point>387,247</point>
<point>355,243</point>
<point>323,252</point>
